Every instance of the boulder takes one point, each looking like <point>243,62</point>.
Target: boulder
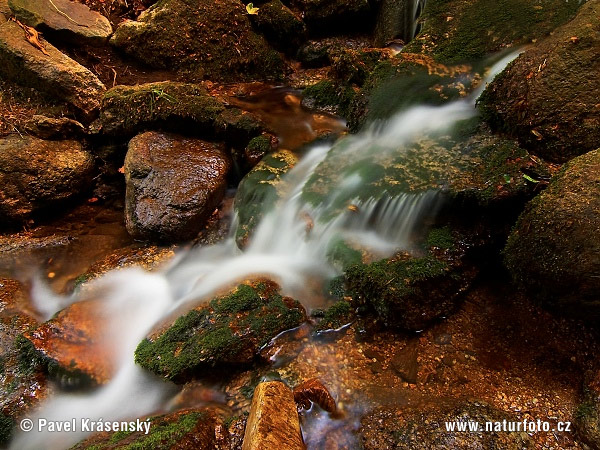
<point>190,428</point>
<point>273,421</point>
<point>397,19</point>
<point>54,128</point>
<point>553,252</point>
<point>204,40</point>
<point>424,427</point>
<point>64,19</point>
<point>48,70</point>
<point>173,183</point>
<point>339,15</point>
<point>547,98</point>
<point>38,175</point>
<point>227,332</point>
<point>455,31</point>
<point>280,25</point>
<point>127,110</point>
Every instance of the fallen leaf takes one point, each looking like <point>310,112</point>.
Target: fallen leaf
<point>251,9</point>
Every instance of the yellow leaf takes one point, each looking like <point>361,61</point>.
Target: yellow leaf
<point>251,9</point>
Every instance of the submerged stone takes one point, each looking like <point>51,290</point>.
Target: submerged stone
<point>48,70</point>
<point>228,331</point>
<point>38,175</point>
<point>203,40</point>
<point>64,19</point>
<point>173,183</point>
<point>553,252</point>
<point>548,98</point>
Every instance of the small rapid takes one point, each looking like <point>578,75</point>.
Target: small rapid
<point>290,245</point>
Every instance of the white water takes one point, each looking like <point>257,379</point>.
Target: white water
<point>282,247</point>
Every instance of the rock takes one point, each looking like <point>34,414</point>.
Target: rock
<point>174,184</point>
<point>546,98</point>
<point>334,98</point>
<point>193,428</point>
<point>455,31</point>
<point>404,362</point>
<point>273,420</point>
<point>228,332</point>
<point>258,147</point>
<point>336,316</point>
<point>423,428</point>
<point>411,292</point>
<point>127,110</point>
<point>313,391</point>
<point>259,190</point>
<point>37,175</point>
<point>53,73</point>
<point>204,40</point>
<point>397,19</point>
<point>70,346</point>
<point>338,15</point>
<point>280,26</point>
<point>587,414</point>
<point>64,19</point>
<point>54,128</point>
<point>553,252</point>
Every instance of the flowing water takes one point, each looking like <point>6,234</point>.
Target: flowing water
<point>283,247</point>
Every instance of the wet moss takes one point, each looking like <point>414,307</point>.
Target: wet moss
<point>229,331</point>
<point>280,26</point>
<point>7,424</point>
<point>259,145</point>
<point>441,238</point>
<point>343,255</point>
<point>336,316</point>
<point>329,96</point>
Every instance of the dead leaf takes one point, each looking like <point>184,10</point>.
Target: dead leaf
<point>251,9</point>
<point>314,391</point>
<point>32,36</point>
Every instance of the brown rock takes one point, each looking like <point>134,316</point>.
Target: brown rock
<point>273,422</point>
<point>314,391</point>
<point>174,184</point>
<point>36,175</point>
<point>405,362</point>
<point>53,128</point>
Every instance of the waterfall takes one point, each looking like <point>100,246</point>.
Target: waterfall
<point>282,247</point>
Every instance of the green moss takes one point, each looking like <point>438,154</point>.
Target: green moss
<point>230,330</point>
<point>341,254</point>
<point>7,424</point>
<point>330,96</point>
<point>336,316</point>
<point>29,359</point>
<point>279,25</point>
<point>441,238</point>
<point>259,145</point>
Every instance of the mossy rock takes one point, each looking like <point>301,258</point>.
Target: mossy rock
<point>547,98</point>
<point>127,110</point>
<point>201,40</point>
<point>553,252</point>
<point>422,428</point>
<point>182,429</point>
<point>229,331</point>
<point>282,28</point>
<point>336,316</point>
<point>329,96</point>
<point>409,292</point>
<point>259,191</point>
<point>587,413</point>
<point>335,15</point>
<point>455,31</point>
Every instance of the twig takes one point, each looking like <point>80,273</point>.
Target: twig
<point>66,15</point>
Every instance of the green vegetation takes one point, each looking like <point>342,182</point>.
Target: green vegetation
<point>7,425</point>
<point>327,95</point>
<point>336,316</point>
<point>343,255</point>
<point>441,238</point>
<point>230,330</point>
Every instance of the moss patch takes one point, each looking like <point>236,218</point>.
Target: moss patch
<point>336,316</point>
<point>230,330</point>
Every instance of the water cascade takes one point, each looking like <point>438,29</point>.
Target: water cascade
<point>283,247</point>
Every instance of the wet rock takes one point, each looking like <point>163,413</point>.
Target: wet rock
<point>411,292</point>
<point>238,127</point>
<point>469,30</point>
<point>173,185</point>
<point>22,386</point>
<point>424,428</point>
<point>280,26</point>
<point>258,147</point>
<point>336,316</point>
<point>553,252</point>
<point>229,331</point>
<point>37,175</point>
<point>273,420</point>
<point>64,19</point>
<point>193,428</point>
<point>335,15</point>
<point>546,97</point>
<point>71,346</point>
<point>54,128</point>
<point>51,72</point>
<point>397,19</point>
<point>203,40</point>
<point>587,414</point>
<point>404,362</point>
<point>313,391</point>
<point>259,190</point>
<point>171,106</point>
<point>335,98</point>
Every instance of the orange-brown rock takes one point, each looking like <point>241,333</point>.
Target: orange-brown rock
<point>314,391</point>
<point>273,421</point>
